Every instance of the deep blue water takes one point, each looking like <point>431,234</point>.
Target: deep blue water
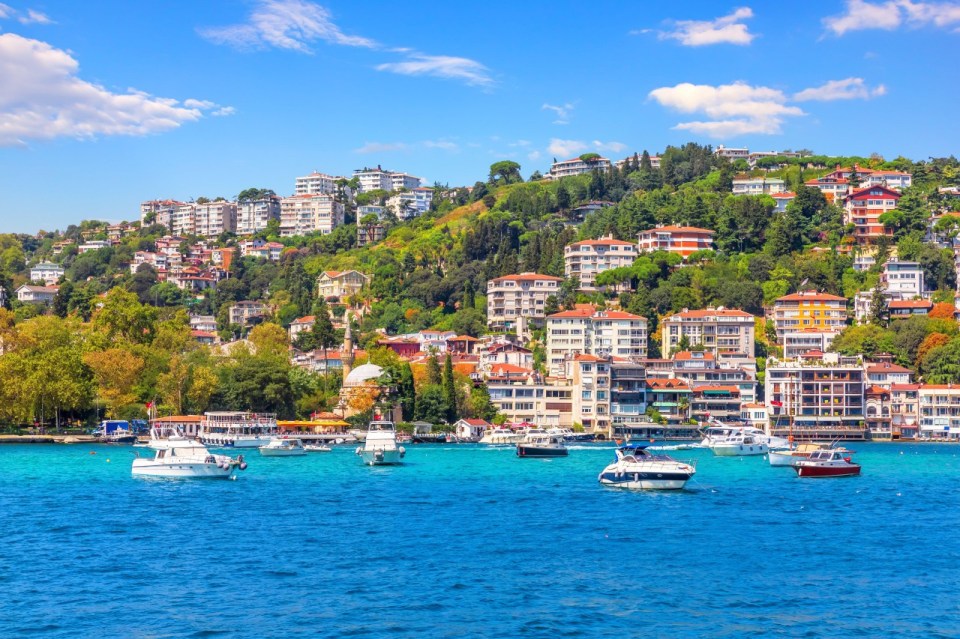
<point>466,541</point>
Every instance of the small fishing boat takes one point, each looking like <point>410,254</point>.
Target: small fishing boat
<point>317,448</point>
<point>636,467</point>
<point>790,456</point>
<point>833,462</point>
<point>283,447</point>
<point>540,443</point>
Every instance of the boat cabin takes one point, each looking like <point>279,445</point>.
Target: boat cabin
<point>381,426</point>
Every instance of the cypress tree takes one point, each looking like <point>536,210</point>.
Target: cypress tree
<point>449,389</point>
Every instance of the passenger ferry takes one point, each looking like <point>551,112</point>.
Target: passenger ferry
<point>237,429</point>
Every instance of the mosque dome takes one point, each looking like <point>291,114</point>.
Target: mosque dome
<point>362,374</point>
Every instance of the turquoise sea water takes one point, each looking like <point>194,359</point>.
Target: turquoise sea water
<point>467,541</point>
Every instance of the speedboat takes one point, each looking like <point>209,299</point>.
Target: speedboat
<point>833,462</point>
<point>739,445</point>
<point>283,447</point>
<point>720,431</point>
<point>317,448</point>
<point>501,436</point>
<point>540,443</point>
<point>178,457</point>
<point>380,445</point>
<point>636,467</point>
<point>791,456</point>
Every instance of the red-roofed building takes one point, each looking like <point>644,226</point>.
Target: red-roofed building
<point>718,402</point>
<point>833,188</point>
<point>587,259</point>
<point>886,374</point>
<point>863,208</point>
<point>602,333</point>
<point>682,240</point>
<point>782,199</point>
<point>900,309</point>
<point>514,297</point>
<point>300,325</point>
<point>721,331</point>
<point>205,337</point>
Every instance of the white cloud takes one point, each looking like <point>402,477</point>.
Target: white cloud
<point>381,147</point>
<point>285,24</point>
<point>848,89</point>
<point>223,111</point>
<point>442,66</point>
<point>446,145</point>
<point>861,15</point>
<point>735,109</point>
<point>562,111</point>
<point>42,98</point>
<point>519,143</point>
<point>615,147</point>
<point>723,30</point>
<point>533,155</point>
<point>5,11</point>
<point>566,148</point>
<point>35,17</point>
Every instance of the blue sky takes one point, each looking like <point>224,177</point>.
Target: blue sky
<point>108,103</point>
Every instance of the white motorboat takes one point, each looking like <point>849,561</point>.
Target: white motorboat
<point>178,457</point>
<point>380,445</point>
<point>739,445</point>
<point>283,447</point>
<point>115,431</point>
<point>540,443</point>
<point>635,467</point>
<point>501,436</point>
<point>237,429</point>
<point>790,456</point>
<point>317,448</point>
<point>719,432</point>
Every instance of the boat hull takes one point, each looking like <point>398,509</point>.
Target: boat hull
<point>381,457</point>
<point>739,450</point>
<point>784,459</point>
<point>279,452</point>
<point>184,470</point>
<point>535,451</point>
<point>850,470</point>
<point>645,480</point>
<point>235,442</point>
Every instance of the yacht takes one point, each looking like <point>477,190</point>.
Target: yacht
<point>541,443</point>
<point>720,431</point>
<point>317,448</point>
<point>380,445</point>
<point>499,435</point>
<point>739,445</point>
<point>179,457</point>
<point>833,462</point>
<point>237,429</point>
<point>636,467</point>
<point>283,447</point>
<point>114,431</point>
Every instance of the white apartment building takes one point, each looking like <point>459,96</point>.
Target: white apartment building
<point>902,280</point>
<point>184,220</point>
<point>588,331</point>
<point>530,400</point>
<point>303,214</point>
<point>253,215</point>
<point>732,154</point>
<point>610,394</point>
<point>576,166</point>
<point>411,203</point>
<point>315,183</point>
<point>93,245</point>
<point>37,294</point>
<point>244,313</point>
<point>400,181</point>
<point>758,186</point>
<point>512,296</point>
<point>161,211</point>
<point>589,258</point>
<point>721,331</point>
<point>213,218</point>
<point>939,411</point>
<point>46,272</point>
<point>374,179</point>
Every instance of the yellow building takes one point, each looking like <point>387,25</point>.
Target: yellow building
<point>806,310</point>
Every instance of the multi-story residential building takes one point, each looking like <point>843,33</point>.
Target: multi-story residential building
<point>893,179</point>
<point>797,343</point>
<point>758,186</point>
<point>262,249</point>
<point>214,218</point>
<point>671,399</point>
<point>526,398</point>
<point>93,245</point>
<point>904,410</point>
<point>589,258</point>
<point>732,154</point>
<point>903,309</point>
<point>379,179</point>
<point>301,325</point>
<point>755,415</point>
<point>505,353</point>
<point>370,233</point>
<point>401,181</point>
<point>588,331</point>
<point>721,331</point>
<point>247,313</point>
<point>809,310</point>
<point>654,161</point>
<point>782,199</point>
<point>886,375</point>
<point>682,240</point>
<point>184,220</point>
<point>939,409</point>
<point>902,280</point>
<point>207,323</point>
<point>833,188</point>
<point>512,296</point>
<point>314,183</point>
<point>576,166</point>
<point>254,215</point>
<point>863,208</point>
<point>37,294</point>
<point>817,398</point>
<point>158,212</point>
<point>340,284</point>
<point>46,272</point>
<point>715,402</point>
<point>610,395</point>
<point>411,203</point>
<point>312,213</point>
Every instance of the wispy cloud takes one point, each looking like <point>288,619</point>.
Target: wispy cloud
<point>562,111</point>
<point>445,145</point>
<point>533,155</point>
<point>285,24</point>
<point>727,29</point>
<point>614,147</point>
<point>734,109</point>
<point>6,11</point>
<point>847,89</point>
<point>41,98</point>
<point>565,148</point>
<point>466,70</point>
<point>381,147</point>
<point>861,15</point>
<point>31,16</point>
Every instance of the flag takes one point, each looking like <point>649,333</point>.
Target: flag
<point>775,403</point>
<point>149,404</point>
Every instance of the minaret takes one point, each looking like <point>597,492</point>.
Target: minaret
<point>346,353</point>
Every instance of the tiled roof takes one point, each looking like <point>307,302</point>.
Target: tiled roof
<point>712,312</point>
<point>811,296</point>
<point>678,229</point>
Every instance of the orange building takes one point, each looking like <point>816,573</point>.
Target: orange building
<point>682,240</point>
